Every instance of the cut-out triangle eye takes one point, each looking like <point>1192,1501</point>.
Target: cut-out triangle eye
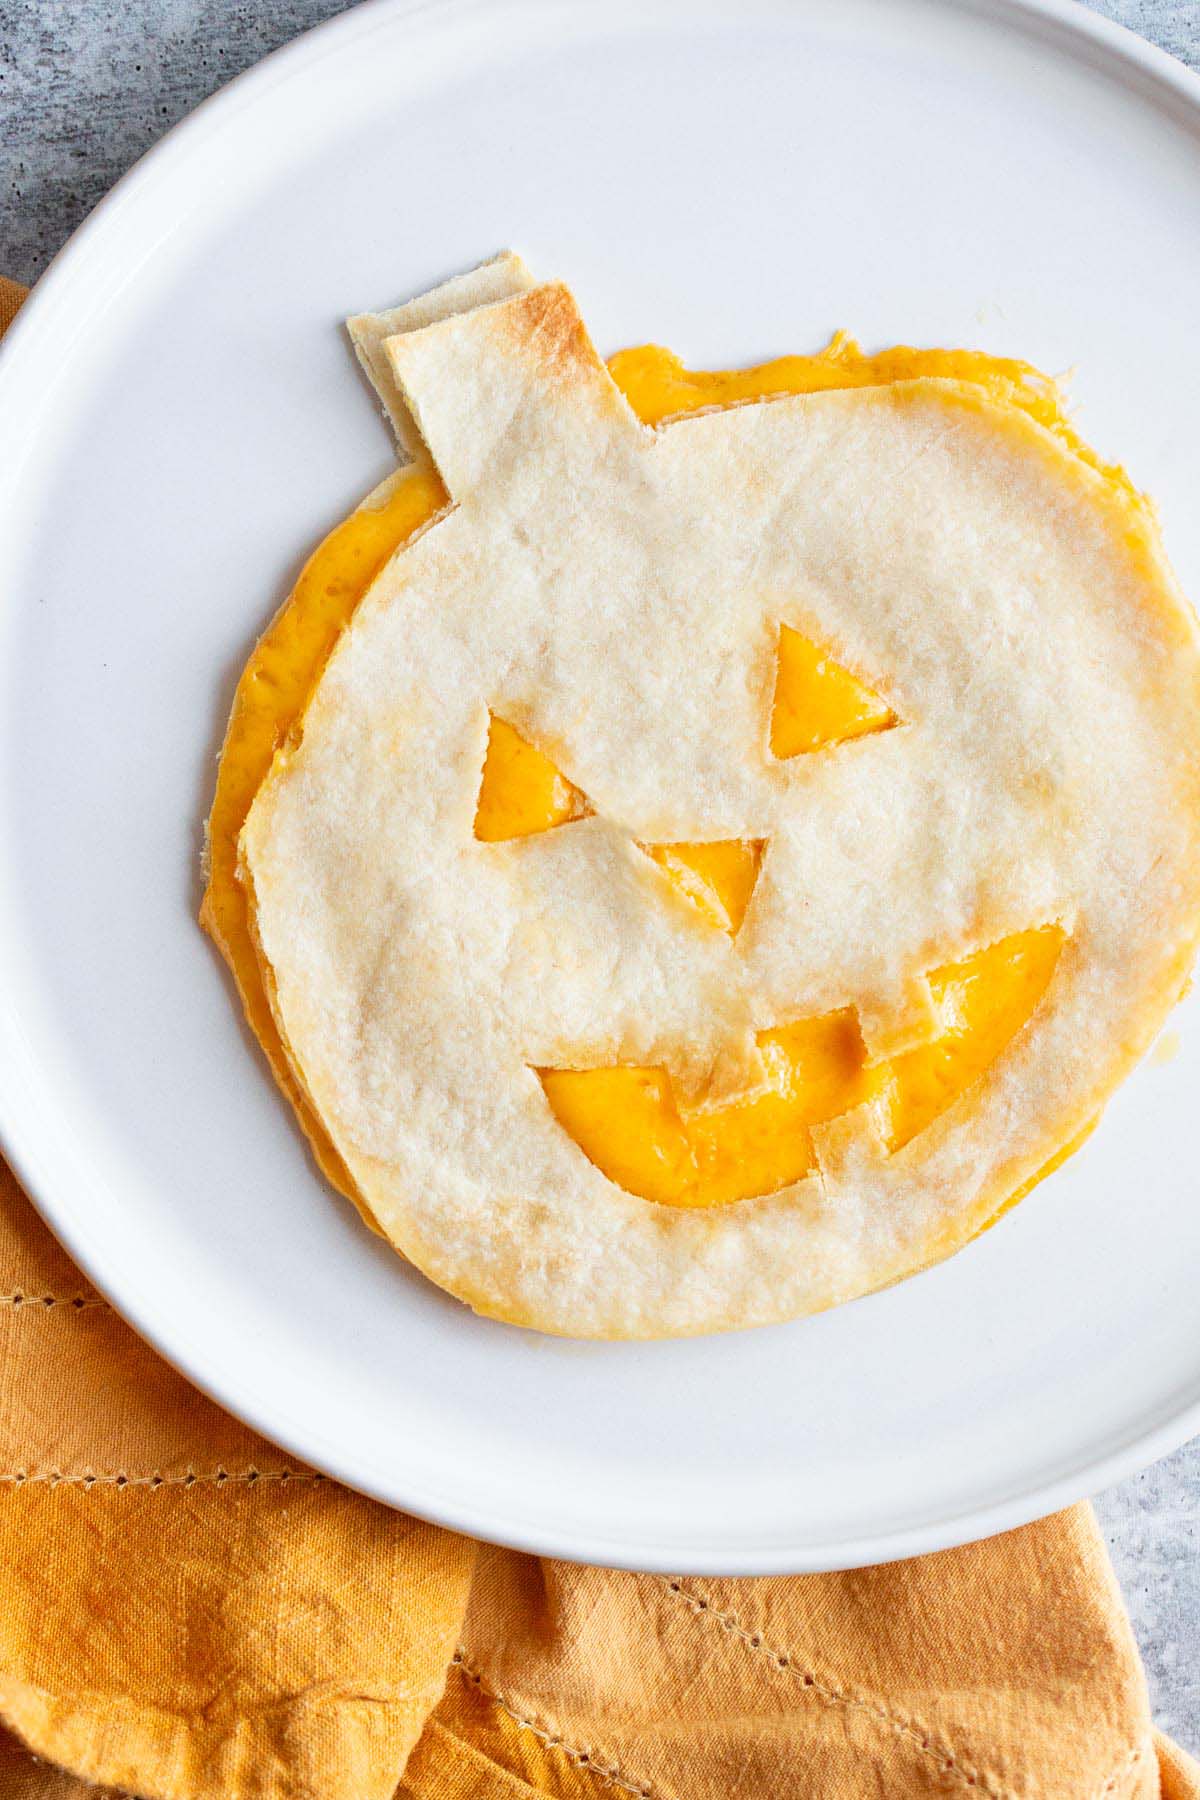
<point>521,791</point>
<point>717,878</point>
<point>818,702</point>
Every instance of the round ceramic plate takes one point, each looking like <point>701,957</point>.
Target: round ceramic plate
<point>182,420</point>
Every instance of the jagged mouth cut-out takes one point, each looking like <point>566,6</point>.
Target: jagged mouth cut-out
<point>631,1124</point>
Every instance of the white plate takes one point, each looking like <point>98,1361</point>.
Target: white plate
<point>182,419</point>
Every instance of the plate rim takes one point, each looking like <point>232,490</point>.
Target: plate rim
<point>22,1141</point>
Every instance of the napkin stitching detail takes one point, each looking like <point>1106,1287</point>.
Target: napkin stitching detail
<point>1122,1770</point>
<point>193,1478</point>
<point>924,1741</point>
<point>609,1773</point>
<point>20,1302</point>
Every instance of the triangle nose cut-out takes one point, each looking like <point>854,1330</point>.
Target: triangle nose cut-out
<point>717,878</point>
<point>818,702</point>
<point>521,791</point>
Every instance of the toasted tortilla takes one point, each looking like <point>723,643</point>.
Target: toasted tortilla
<point>616,593</point>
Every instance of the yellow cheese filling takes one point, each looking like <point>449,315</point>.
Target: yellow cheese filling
<point>520,790</point>
<point>628,1120</point>
<point>717,878</point>
<point>817,702</point>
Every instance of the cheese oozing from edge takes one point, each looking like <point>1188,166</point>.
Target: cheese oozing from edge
<point>627,1120</point>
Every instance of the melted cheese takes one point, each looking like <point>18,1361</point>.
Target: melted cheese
<point>816,702</point>
<point>630,1123</point>
<point>268,706</point>
<point>520,790</point>
<point>718,879</point>
<point>627,1120</point>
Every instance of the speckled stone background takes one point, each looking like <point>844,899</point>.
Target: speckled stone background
<point>85,87</point>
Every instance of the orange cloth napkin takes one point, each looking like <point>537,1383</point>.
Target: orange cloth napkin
<point>186,1615</point>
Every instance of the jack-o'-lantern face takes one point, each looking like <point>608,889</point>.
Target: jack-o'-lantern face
<point>748,1130</point>
<point>721,864</point>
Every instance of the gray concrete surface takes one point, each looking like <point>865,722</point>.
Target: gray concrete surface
<point>85,87</point>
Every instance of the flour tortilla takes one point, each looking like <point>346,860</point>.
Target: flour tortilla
<point>616,594</point>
